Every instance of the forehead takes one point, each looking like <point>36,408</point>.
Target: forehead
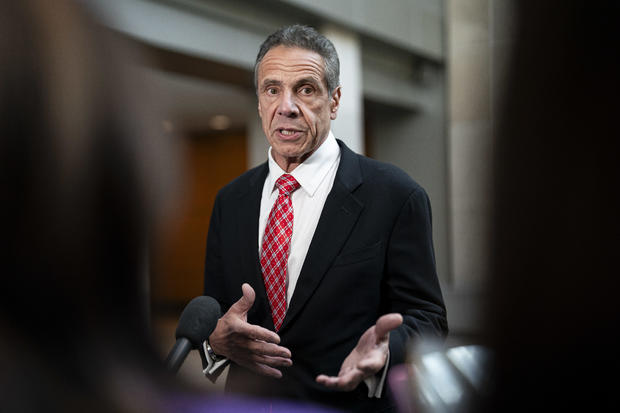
<point>281,63</point>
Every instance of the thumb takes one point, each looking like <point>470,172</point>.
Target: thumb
<point>387,323</point>
<point>243,305</point>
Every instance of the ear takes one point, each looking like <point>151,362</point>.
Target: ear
<point>334,103</point>
<point>259,113</point>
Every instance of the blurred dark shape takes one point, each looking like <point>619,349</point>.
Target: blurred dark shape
<point>553,310</point>
<point>549,339</point>
<point>79,196</point>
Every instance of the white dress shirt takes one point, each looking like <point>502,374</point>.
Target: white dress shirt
<point>316,178</point>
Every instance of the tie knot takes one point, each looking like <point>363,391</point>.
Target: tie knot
<point>287,184</point>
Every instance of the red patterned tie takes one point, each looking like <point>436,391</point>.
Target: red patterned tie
<point>276,244</point>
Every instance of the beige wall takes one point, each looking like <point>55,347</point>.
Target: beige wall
<point>478,46</point>
<point>470,140</point>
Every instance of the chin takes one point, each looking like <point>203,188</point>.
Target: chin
<point>288,148</point>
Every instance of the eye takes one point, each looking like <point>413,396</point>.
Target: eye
<point>306,90</point>
<point>271,91</point>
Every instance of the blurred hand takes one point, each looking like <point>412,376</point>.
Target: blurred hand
<point>367,358</point>
<point>247,344</point>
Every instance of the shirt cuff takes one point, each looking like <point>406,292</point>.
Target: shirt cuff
<point>375,383</point>
<point>212,366</point>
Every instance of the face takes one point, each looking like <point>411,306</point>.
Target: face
<point>294,103</point>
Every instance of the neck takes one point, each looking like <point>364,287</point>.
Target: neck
<point>288,164</point>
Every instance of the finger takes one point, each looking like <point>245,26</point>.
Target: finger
<point>272,361</point>
<point>269,349</point>
<point>346,382</point>
<point>387,323</point>
<point>243,305</point>
<point>255,332</point>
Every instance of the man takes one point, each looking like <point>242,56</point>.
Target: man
<point>321,259</point>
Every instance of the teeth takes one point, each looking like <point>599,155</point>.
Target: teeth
<point>287,132</point>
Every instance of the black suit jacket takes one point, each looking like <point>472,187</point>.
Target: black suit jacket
<point>371,254</point>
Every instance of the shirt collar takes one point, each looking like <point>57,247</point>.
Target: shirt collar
<point>313,170</point>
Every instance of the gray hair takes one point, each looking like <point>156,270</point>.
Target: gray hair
<point>304,37</point>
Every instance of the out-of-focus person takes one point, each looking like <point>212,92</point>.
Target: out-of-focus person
<point>553,309</point>
<point>79,194</point>
<point>548,339</point>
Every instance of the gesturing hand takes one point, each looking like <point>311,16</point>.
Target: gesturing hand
<point>368,356</point>
<point>246,344</point>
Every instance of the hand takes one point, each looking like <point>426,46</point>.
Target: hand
<point>246,344</point>
<point>367,358</point>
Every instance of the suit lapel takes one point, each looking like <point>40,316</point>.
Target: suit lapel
<point>339,215</point>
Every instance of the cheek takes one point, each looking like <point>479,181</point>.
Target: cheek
<point>314,118</point>
<point>264,107</point>
<point>321,120</point>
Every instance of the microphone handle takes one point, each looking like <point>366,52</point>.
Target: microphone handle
<point>177,355</point>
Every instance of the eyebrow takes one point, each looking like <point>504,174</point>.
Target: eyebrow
<point>270,82</point>
<point>306,81</point>
<point>298,83</point>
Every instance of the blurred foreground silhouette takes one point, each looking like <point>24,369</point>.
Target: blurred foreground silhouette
<point>553,297</point>
<point>79,195</point>
<point>549,339</point>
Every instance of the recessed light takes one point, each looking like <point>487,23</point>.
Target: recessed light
<point>167,125</point>
<point>219,122</point>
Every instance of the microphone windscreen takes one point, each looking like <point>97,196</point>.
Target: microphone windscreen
<point>198,320</point>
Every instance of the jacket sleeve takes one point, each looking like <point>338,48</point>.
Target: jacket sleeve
<point>411,284</point>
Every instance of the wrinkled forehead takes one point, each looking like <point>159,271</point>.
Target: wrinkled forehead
<point>289,63</point>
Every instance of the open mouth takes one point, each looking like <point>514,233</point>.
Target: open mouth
<point>287,132</point>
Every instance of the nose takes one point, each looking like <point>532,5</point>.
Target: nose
<point>287,106</point>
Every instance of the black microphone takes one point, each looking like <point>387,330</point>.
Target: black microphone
<point>197,322</point>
